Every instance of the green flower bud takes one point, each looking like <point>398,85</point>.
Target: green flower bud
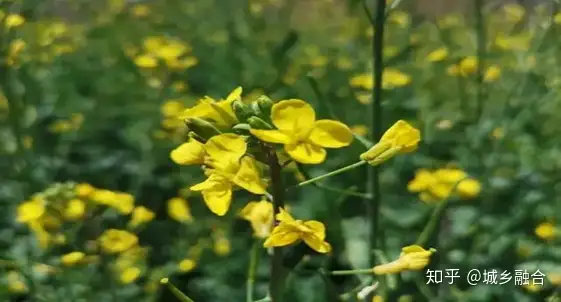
<point>265,104</point>
<point>242,111</point>
<point>258,123</point>
<point>202,128</point>
<point>255,109</point>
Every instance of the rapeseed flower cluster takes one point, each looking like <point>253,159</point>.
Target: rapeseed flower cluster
<point>435,186</point>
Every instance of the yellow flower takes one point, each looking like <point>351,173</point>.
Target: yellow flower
<point>554,278</point>
<point>222,246</point>
<point>140,10</point>
<point>400,138</point>
<point>116,241</point>
<point>178,210</point>
<point>514,12</point>
<point>546,231</point>
<point>16,283</point>
<point>72,258</point>
<point>532,287</point>
<point>227,167</point>
<point>260,215</point>
<point>124,203</point>
<point>391,78</point>
<point>14,20</point>
<point>30,210</point>
<point>75,209</point>
<point>129,275</point>
<point>217,112</point>
<point>438,55</point>
<point>84,190</point>
<point>187,265</point>
<point>412,258</point>
<point>520,42</point>
<point>189,153</point>
<point>141,215</point>
<point>146,61</point>
<point>359,130</point>
<point>438,185</point>
<point>492,73</point>
<point>289,231</point>
<point>171,108</point>
<point>468,66</point>
<point>557,18</point>
<point>303,137</point>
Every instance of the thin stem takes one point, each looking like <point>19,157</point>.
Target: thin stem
<point>352,272</point>
<point>481,38</point>
<point>176,292</point>
<point>376,126</point>
<point>253,261</point>
<point>435,216</point>
<point>277,274</point>
<point>332,173</point>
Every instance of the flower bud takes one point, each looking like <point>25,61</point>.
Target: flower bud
<point>201,127</point>
<point>242,111</point>
<point>265,104</point>
<point>255,109</point>
<point>258,123</point>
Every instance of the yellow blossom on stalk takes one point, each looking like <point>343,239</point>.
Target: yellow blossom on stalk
<point>391,78</point>
<point>228,166</point>
<point>30,210</point>
<point>190,153</point>
<point>399,138</point>
<point>222,246</point>
<point>16,283</point>
<point>218,112</point>
<point>75,209</point>
<point>438,55</point>
<point>145,61</point>
<point>187,265</point>
<point>546,231</point>
<point>412,258</point>
<point>130,274</point>
<point>438,185</point>
<point>178,210</point>
<point>84,190</point>
<point>289,231</point>
<point>141,215</point>
<point>72,258</point>
<point>492,74</point>
<point>304,138</point>
<point>260,215</point>
<point>14,20</point>
<point>117,241</point>
<point>468,66</point>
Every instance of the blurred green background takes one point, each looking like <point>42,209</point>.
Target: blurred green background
<point>91,97</point>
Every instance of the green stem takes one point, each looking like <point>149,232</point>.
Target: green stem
<point>176,292</point>
<point>368,271</point>
<point>481,38</point>
<point>277,273</point>
<point>373,180</point>
<point>332,173</point>
<point>435,216</point>
<point>253,261</point>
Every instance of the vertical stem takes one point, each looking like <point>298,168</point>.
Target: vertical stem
<point>376,122</point>
<point>253,260</point>
<point>481,38</point>
<point>277,274</point>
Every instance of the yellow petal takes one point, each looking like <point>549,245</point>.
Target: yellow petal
<point>281,236</point>
<point>331,134</point>
<point>271,136</point>
<point>402,134</point>
<point>235,95</point>
<point>306,153</point>
<point>316,243</point>
<point>246,212</point>
<point>227,146</point>
<point>317,228</point>
<point>293,114</point>
<point>248,176</point>
<point>212,181</point>
<point>283,216</point>
<point>189,153</point>
<point>217,193</point>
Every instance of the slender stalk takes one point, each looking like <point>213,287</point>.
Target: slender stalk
<point>277,274</point>
<point>481,39</point>
<point>352,272</point>
<point>373,180</point>
<point>176,292</point>
<point>253,260</point>
<point>332,173</point>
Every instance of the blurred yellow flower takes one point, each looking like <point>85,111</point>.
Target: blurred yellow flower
<point>30,210</point>
<point>554,278</point>
<point>141,215</point>
<point>16,283</point>
<point>140,10</point>
<point>190,153</point>
<point>468,65</point>
<point>222,246</point>
<point>361,130</point>
<point>289,231</point>
<point>84,190</point>
<point>72,258</point>
<point>400,18</point>
<point>228,166</point>
<point>187,265</point>
<point>172,108</point>
<point>178,210</point>
<point>532,287</point>
<point>557,18</point>
<point>260,215</point>
<point>75,209</point>
<point>14,20</point>
<point>520,42</point>
<point>146,61</point>
<point>546,231</point>
<point>303,137</point>
<point>412,258</point>
<point>399,138</point>
<point>514,12</point>
<point>498,133</point>
<point>492,74</point>
<point>391,78</point>
<point>438,185</point>
<point>438,55</point>
<point>129,275</point>
<point>117,241</point>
